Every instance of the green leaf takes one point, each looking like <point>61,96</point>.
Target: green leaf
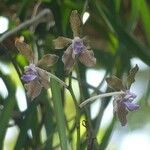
<point>49,124</point>
<point>25,124</point>
<point>134,47</point>
<point>9,105</point>
<point>145,16</point>
<point>5,115</point>
<point>107,135</point>
<point>59,112</point>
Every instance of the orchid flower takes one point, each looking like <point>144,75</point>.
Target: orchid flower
<point>124,102</point>
<point>77,48</point>
<point>35,77</point>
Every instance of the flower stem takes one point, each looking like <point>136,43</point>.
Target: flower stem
<point>91,99</point>
<point>58,80</point>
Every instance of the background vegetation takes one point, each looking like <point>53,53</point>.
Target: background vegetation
<point>118,31</point>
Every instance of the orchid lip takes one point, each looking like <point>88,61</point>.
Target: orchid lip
<point>29,77</point>
<point>129,96</point>
<point>131,106</point>
<point>77,45</point>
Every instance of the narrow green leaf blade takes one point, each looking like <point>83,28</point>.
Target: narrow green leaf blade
<point>59,112</point>
<point>4,119</point>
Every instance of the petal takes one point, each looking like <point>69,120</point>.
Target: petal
<point>86,42</point>
<point>121,113</point>
<point>68,58</point>
<point>76,23</point>
<point>25,50</point>
<point>33,89</point>
<point>122,116</point>
<point>131,76</point>
<point>61,42</point>
<point>43,77</point>
<point>47,60</point>
<point>28,77</point>
<point>87,58</point>
<point>115,83</point>
<point>131,106</point>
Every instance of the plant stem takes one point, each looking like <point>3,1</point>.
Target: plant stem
<point>58,80</point>
<point>77,117</point>
<point>77,112</point>
<point>91,99</point>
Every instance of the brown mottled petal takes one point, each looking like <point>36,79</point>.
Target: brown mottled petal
<point>121,113</point>
<point>43,77</point>
<point>47,60</point>
<point>25,50</point>
<point>131,76</point>
<point>76,23</point>
<point>115,83</point>
<point>68,58</point>
<point>87,58</point>
<point>33,89</point>
<point>86,42</point>
<point>61,42</point>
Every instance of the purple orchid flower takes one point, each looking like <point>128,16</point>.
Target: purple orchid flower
<point>35,77</point>
<point>78,47</point>
<point>123,103</point>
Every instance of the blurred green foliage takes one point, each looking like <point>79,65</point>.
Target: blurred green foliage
<point>118,30</point>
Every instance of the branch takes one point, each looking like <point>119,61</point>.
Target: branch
<point>91,99</point>
<point>43,16</point>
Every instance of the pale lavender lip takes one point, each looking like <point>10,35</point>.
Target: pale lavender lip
<point>78,46</point>
<point>129,95</point>
<point>131,106</point>
<point>29,77</point>
<point>127,101</point>
<point>30,73</point>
